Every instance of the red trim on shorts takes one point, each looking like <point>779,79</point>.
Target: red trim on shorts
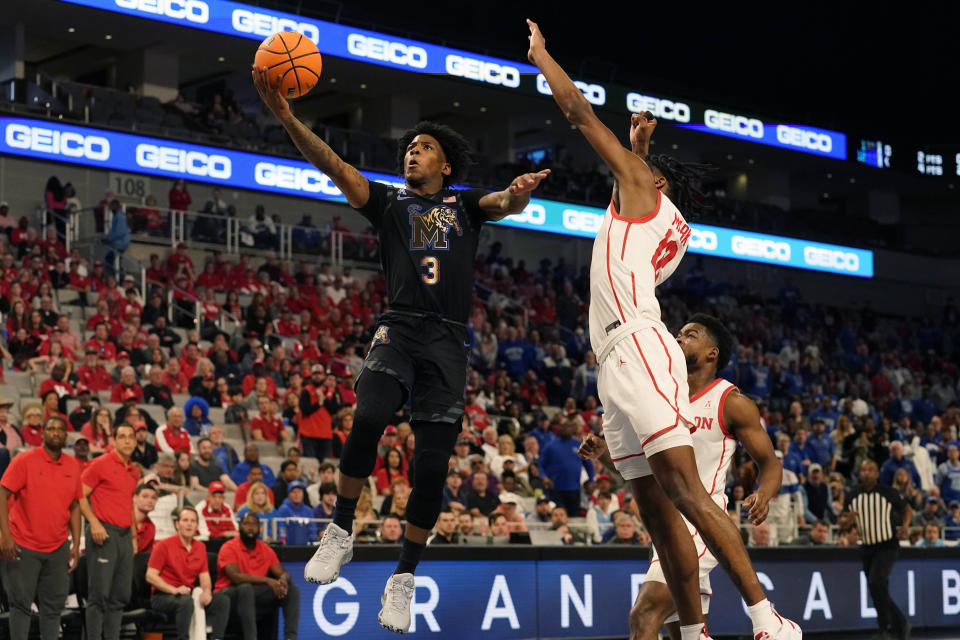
<point>641,220</point>
<point>709,595</point>
<point>723,398</point>
<point>632,455</point>
<point>702,553</point>
<point>655,385</point>
<point>707,388</point>
<point>719,466</point>
<point>633,285</point>
<point>676,384</point>
<point>610,275</point>
<point>623,249</point>
<point>661,432</point>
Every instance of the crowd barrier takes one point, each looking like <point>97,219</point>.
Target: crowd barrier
<point>582,592</point>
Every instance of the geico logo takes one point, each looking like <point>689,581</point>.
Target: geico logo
<point>192,10</point>
<point>701,239</point>
<point>760,248</point>
<point>581,220</point>
<point>739,125</point>
<point>804,138</point>
<point>64,143</point>
<point>534,214</point>
<point>490,72</point>
<point>659,107</point>
<point>195,163</point>
<point>395,52</point>
<point>264,24</point>
<point>831,258</point>
<point>594,93</point>
<point>287,177</point>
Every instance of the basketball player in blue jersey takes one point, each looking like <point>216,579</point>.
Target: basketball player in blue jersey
<point>428,235</point>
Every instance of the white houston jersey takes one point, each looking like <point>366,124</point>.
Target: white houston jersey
<point>631,257</point>
<point>713,444</point>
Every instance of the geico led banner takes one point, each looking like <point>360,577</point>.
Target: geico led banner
<point>821,142</point>
<point>256,23</point>
<point>59,142</point>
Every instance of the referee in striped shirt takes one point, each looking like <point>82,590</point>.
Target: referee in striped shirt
<point>879,511</point>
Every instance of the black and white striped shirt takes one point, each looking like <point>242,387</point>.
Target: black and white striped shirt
<point>879,514</point>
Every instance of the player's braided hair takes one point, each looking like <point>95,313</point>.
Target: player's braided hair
<point>455,147</point>
<point>720,335</point>
<point>684,179</point>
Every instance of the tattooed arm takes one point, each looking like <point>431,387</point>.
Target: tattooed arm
<point>351,182</point>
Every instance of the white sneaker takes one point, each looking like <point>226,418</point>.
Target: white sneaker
<point>395,614</point>
<point>789,630</point>
<point>334,551</point>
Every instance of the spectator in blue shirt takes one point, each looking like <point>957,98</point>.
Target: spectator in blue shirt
<point>294,531</point>
<point>948,475</point>
<point>794,379</point>
<point>951,522</point>
<point>791,461</point>
<point>560,467</point>
<point>802,450</point>
<point>251,457</point>
<point>541,431</point>
<point>515,355</point>
<point>897,461</point>
<point>823,446</point>
<point>761,377</point>
<point>324,509</point>
<point>826,413</point>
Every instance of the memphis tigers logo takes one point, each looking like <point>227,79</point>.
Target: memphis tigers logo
<point>381,336</point>
<point>430,229</point>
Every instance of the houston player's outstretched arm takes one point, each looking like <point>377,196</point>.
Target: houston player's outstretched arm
<point>631,172</point>
<point>351,182</point>
<point>744,419</point>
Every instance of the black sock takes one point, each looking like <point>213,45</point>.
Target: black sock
<point>410,554</point>
<point>343,513</point>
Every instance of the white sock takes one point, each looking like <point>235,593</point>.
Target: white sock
<point>762,616</point>
<point>691,632</point>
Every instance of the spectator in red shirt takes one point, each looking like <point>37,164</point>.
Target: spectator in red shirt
<point>210,279</point>
<point>58,384</point>
<point>156,272</point>
<point>268,425</point>
<point>189,359</point>
<point>93,374</point>
<point>100,341</point>
<point>392,468</point>
<point>286,325</point>
<point>69,339</point>
<point>250,574</point>
<point>216,517</point>
<point>180,263</point>
<point>171,436</point>
<point>46,486</point>
<point>174,378</point>
<point>128,382</point>
<point>144,500</point>
<point>131,306</point>
<point>179,197</point>
<point>175,566</point>
<point>51,407</point>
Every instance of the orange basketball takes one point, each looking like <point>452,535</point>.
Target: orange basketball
<point>293,58</point>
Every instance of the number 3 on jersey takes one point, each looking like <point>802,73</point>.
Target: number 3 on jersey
<point>431,270</point>
<point>664,253</point>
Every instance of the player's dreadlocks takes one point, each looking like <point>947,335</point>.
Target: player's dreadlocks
<point>684,179</point>
<point>455,148</point>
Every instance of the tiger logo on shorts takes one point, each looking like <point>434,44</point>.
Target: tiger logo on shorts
<point>381,336</point>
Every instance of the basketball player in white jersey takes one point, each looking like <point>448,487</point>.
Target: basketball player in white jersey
<point>642,378</point>
<point>723,416</point>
